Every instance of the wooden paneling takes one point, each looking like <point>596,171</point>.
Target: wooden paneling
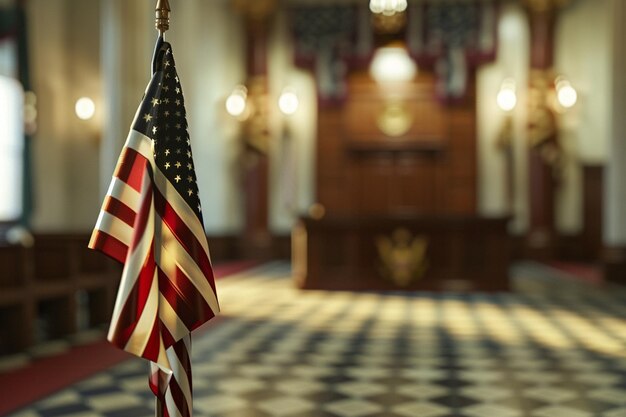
<point>14,267</point>
<point>614,264</point>
<point>429,170</point>
<point>47,254</point>
<point>413,172</point>
<point>375,174</point>
<point>593,211</point>
<point>41,284</point>
<point>330,155</point>
<point>335,193</point>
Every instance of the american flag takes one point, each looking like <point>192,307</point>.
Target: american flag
<point>151,221</point>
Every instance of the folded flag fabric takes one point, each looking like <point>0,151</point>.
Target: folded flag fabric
<point>151,222</point>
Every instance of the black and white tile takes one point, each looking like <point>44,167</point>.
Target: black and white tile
<point>547,350</point>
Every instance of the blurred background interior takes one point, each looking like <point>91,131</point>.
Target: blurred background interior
<point>429,149</point>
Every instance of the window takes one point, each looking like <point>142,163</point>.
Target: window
<point>11,149</point>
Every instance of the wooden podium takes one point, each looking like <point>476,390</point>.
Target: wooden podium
<point>434,253</point>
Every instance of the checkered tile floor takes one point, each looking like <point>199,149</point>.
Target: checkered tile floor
<point>547,350</point>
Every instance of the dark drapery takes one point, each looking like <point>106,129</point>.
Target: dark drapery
<point>452,38</point>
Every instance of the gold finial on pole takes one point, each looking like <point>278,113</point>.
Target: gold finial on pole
<point>162,21</point>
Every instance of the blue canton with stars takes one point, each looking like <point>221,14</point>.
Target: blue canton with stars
<point>162,118</point>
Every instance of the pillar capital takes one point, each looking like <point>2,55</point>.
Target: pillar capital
<point>544,6</point>
<point>255,10</point>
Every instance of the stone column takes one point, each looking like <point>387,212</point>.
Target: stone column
<point>544,150</point>
<point>256,242</point>
<point>615,171</point>
<point>126,44</point>
<point>111,68</point>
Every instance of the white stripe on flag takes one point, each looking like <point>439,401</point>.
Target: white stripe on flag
<point>115,227</point>
<point>142,144</point>
<point>125,193</point>
<point>171,321</point>
<point>172,409</point>
<point>181,208</point>
<point>180,373</point>
<point>139,338</point>
<point>174,255</point>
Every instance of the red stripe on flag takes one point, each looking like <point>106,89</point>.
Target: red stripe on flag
<point>142,217</point>
<point>135,304</point>
<point>184,236</point>
<point>131,168</point>
<point>120,210</point>
<point>179,396</point>
<point>109,245</point>
<point>184,299</point>
<point>183,356</point>
<point>153,382</point>
<point>153,346</point>
<point>168,339</point>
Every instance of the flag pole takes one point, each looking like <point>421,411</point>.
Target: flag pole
<point>162,21</point>
<point>159,408</point>
<point>162,24</point>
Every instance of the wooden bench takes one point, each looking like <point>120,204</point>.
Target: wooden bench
<point>53,289</point>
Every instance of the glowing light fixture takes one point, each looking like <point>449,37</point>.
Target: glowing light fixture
<point>388,7</point>
<point>85,108</point>
<point>236,102</point>
<point>391,65</point>
<point>507,96</point>
<point>288,102</point>
<point>565,93</point>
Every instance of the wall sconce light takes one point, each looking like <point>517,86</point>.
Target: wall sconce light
<point>507,96</point>
<point>288,102</point>
<point>566,94</point>
<point>251,106</point>
<point>236,103</point>
<point>85,108</point>
<point>388,7</point>
<point>547,97</point>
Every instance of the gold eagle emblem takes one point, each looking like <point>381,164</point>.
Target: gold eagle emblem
<point>403,257</point>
